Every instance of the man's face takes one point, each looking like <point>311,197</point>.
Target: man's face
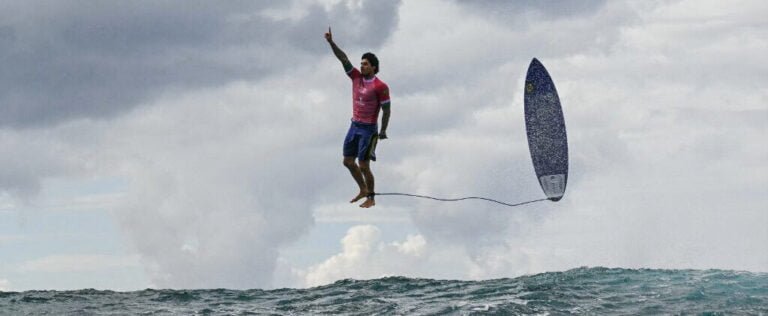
<point>365,68</point>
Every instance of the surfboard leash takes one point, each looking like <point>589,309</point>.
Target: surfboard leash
<point>459,199</point>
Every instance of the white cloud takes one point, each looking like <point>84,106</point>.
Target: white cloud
<point>5,285</point>
<point>664,104</point>
<point>664,143</point>
<point>96,202</point>
<point>364,256</point>
<point>4,239</point>
<point>346,212</point>
<point>240,170</point>
<point>79,263</point>
<point>234,176</point>
<point>226,181</point>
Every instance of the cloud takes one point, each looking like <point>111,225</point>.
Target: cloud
<point>365,257</point>
<point>210,203</point>
<point>72,60</point>
<point>88,202</point>
<point>234,176</point>
<point>225,123</point>
<point>211,193</point>
<point>549,8</point>
<point>5,285</point>
<point>30,156</point>
<point>78,263</point>
<point>343,213</point>
<point>240,169</point>
<point>5,239</point>
<point>663,143</point>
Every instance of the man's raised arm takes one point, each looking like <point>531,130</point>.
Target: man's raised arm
<point>338,52</point>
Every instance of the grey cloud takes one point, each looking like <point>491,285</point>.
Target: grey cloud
<point>26,158</point>
<point>197,220</point>
<point>211,206</point>
<point>66,60</point>
<point>636,101</point>
<point>547,8</point>
<point>501,45</point>
<point>369,29</point>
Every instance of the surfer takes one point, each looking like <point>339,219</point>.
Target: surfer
<point>369,95</point>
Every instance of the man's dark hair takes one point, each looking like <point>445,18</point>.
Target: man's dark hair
<point>373,60</point>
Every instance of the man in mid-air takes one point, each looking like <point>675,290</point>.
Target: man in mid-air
<point>369,95</point>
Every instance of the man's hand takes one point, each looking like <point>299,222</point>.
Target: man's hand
<point>383,135</point>
<point>329,36</point>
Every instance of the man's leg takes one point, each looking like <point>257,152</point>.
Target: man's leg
<point>365,169</point>
<point>349,162</point>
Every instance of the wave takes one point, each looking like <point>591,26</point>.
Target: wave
<point>583,290</point>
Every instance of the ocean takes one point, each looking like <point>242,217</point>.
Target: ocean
<point>581,291</point>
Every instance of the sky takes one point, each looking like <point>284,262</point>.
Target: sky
<point>193,144</point>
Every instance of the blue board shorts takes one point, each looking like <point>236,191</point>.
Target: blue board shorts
<point>361,141</point>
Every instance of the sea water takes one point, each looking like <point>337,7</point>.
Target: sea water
<point>591,291</point>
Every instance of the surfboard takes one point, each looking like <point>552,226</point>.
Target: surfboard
<point>545,126</point>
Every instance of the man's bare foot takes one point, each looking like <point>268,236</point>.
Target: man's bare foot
<point>369,202</point>
<point>361,195</point>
